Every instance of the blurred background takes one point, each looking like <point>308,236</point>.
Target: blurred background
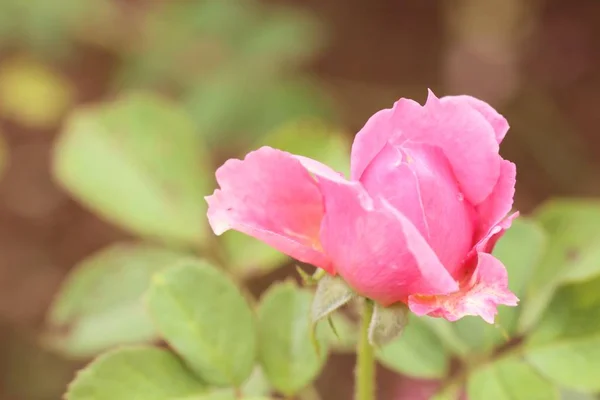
<point>303,75</point>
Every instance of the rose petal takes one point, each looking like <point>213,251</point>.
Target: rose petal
<point>317,168</point>
<point>464,135</point>
<point>487,289</point>
<point>417,180</point>
<point>496,120</point>
<point>377,250</point>
<point>272,197</point>
<point>488,242</point>
<point>500,201</point>
<point>369,141</point>
<point>389,176</point>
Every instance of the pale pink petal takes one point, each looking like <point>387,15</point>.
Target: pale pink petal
<point>376,249</point>
<point>496,120</point>
<point>488,242</point>
<point>317,168</point>
<point>370,140</point>
<point>272,197</point>
<point>487,288</point>
<point>464,135</point>
<point>389,176</point>
<point>499,202</point>
<point>418,181</point>
<point>466,138</point>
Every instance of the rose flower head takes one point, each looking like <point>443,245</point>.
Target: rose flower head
<point>415,223</point>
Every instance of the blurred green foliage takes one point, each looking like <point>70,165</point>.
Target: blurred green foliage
<point>101,305</point>
<point>153,148</point>
<point>229,62</point>
<point>559,352</point>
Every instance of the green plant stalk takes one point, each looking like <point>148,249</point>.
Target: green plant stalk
<point>365,359</point>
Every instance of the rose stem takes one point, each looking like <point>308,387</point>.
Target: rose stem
<point>365,362</point>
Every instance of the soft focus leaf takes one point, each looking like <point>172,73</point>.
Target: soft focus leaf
<point>452,392</point>
<point>418,352</point>
<point>332,293</point>
<point>286,351</point>
<point>100,304</point>
<point>135,373</point>
<point>345,337</point>
<point>387,323</point>
<point>257,384</point>
<point>49,27</point>
<point>227,59</point>
<point>32,94</point>
<point>448,335</point>
<point>224,394</point>
<point>509,379</point>
<point>565,346</point>
<point>249,256</point>
<point>203,315</point>
<point>573,252</point>
<point>312,139</point>
<point>235,102</point>
<point>284,38</point>
<point>284,103</point>
<point>140,164</point>
<point>566,394</point>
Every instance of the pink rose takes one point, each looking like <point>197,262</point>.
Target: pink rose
<point>426,202</point>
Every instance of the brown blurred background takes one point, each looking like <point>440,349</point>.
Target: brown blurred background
<point>537,61</point>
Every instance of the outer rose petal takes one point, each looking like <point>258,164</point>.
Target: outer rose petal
<point>377,250</point>
<point>418,181</point>
<point>370,140</point>
<point>500,201</point>
<point>487,289</point>
<point>272,197</point>
<point>498,122</point>
<point>319,169</point>
<point>464,135</point>
<point>487,243</point>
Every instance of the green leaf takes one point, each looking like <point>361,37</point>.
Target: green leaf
<point>387,323</point>
<point>509,379</point>
<point>234,101</point>
<point>347,334</point>
<point>565,346</point>
<point>249,256</point>
<point>313,139</point>
<point>225,395</point>
<point>574,313</point>
<point>332,293</point>
<point>573,251</point>
<point>286,36</point>
<point>135,373</point>
<point>50,28</point>
<point>257,384</point>
<point>448,335</point>
<point>418,352</point>
<point>203,315</point>
<point>566,394</point>
<point>100,304</point>
<point>574,363</point>
<point>452,392</point>
<point>299,104</point>
<point>286,351</point>
<point>140,164</point>
<point>520,250</point>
